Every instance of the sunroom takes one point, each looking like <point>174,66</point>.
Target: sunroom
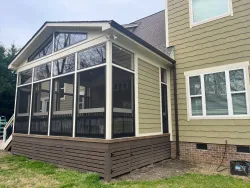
<point>99,105</point>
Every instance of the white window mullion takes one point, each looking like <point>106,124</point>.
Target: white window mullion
<point>53,42</point>
<point>136,97</point>
<point>229,95</point>
<point>188,98</point>
<point>246,80</point>
<point>31,100</point>
<point>109,90</point>
<point>203,98</point>
<point>160,98</point>
<point>50,97</point>
<point>75,96</point>
<point>15,105</point>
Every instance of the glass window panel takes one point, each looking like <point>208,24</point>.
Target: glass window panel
<point>195,85</point>
<point>90,120</point>
<point>92,56</point>
<point>62,113</point>
<point>208,9</point>
<point>64,65</point>
<point>42,72</point>
<point>196,103</point>
<point>122,57</point>
<point>123,103</point>
<point>163,75</point>
<point>25,77</point>
<point>216,94</point>
<point>63,40</point>
<point>23,109</point>
<point>40,108</point>
<point>237,81</point>
<point>44,50</point>
<point>239,103</point>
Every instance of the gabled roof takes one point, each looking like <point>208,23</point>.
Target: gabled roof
<point>152,30</point>
<point>104,24</point>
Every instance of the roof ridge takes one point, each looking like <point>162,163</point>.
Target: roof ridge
<point>147,16</point>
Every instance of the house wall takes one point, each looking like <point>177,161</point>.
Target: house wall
<point>149,98</point>
<point>220,42</point>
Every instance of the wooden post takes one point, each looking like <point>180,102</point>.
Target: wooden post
<point>107,166</point>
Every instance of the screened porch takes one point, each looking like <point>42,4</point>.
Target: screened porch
<point>90,93</point>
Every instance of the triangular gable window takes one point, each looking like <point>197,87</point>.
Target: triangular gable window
<point>63,40</point>
<point>45,49</point>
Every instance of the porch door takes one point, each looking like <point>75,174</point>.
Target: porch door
<point>164,101</point>
<point>164,108</point>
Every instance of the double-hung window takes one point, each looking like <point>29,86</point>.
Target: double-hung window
<point>202,11</point>
<point>219,93</point>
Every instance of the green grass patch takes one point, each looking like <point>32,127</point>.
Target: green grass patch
<point>21,172</point>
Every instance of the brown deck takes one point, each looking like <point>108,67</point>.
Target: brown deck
<point>109,158</point>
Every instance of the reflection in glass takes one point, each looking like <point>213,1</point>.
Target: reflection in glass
<point>42,72</point>
<point>22,109</point>
<point>63,40</point>
<point>43,50</point>
<point>196,104</point>
<point>216,94</point>
<point>237,81</point>
<point>64,65</point>
<point>163,75</point>
<point>90,120</point>
<point>92,56</point>
<point>195,85</point>
<point>40,108</point>
<point>122,57</point>
<point>25,77</point>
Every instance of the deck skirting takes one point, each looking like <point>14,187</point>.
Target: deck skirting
<point>107,158</point>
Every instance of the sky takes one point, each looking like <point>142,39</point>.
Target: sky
<point>20,19</point>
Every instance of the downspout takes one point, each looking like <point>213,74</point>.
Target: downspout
<point>176,114</point>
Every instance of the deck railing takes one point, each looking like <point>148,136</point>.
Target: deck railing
<point>8,129</point>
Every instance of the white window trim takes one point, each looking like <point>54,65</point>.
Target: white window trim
<point>226,69</point>
<point>64,91</point>
<point>191,18</point>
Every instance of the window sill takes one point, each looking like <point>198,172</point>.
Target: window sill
<point>210,20</point>
<point>219,117</point>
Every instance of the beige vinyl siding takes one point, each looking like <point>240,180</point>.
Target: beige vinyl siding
<point>220,42</point>
<point>67,102</point>
<point>149,98</point>
<point>45,86</point>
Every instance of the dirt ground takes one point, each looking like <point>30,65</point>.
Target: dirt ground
<point>170,168</point>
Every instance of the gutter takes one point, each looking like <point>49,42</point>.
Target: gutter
<point>141,41</point>
<point>176,114</point>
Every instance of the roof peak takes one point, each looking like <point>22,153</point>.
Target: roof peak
<point>147,16</point>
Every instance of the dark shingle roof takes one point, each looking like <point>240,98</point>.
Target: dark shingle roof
<point>152,30</point>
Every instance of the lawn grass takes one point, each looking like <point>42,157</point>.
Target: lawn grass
<point>21,172</point>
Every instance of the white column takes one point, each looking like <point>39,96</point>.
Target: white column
<point>109,90</point>
<point>136,97</point>
<point>50,96</point>
<point>160,99</point>
<point>31,98</point>
<point>17,80</point>
<point>75,96</point>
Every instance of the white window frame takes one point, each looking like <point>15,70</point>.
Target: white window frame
<point>64,91</point>
<point>226,69</point>
<point>191,17</point>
